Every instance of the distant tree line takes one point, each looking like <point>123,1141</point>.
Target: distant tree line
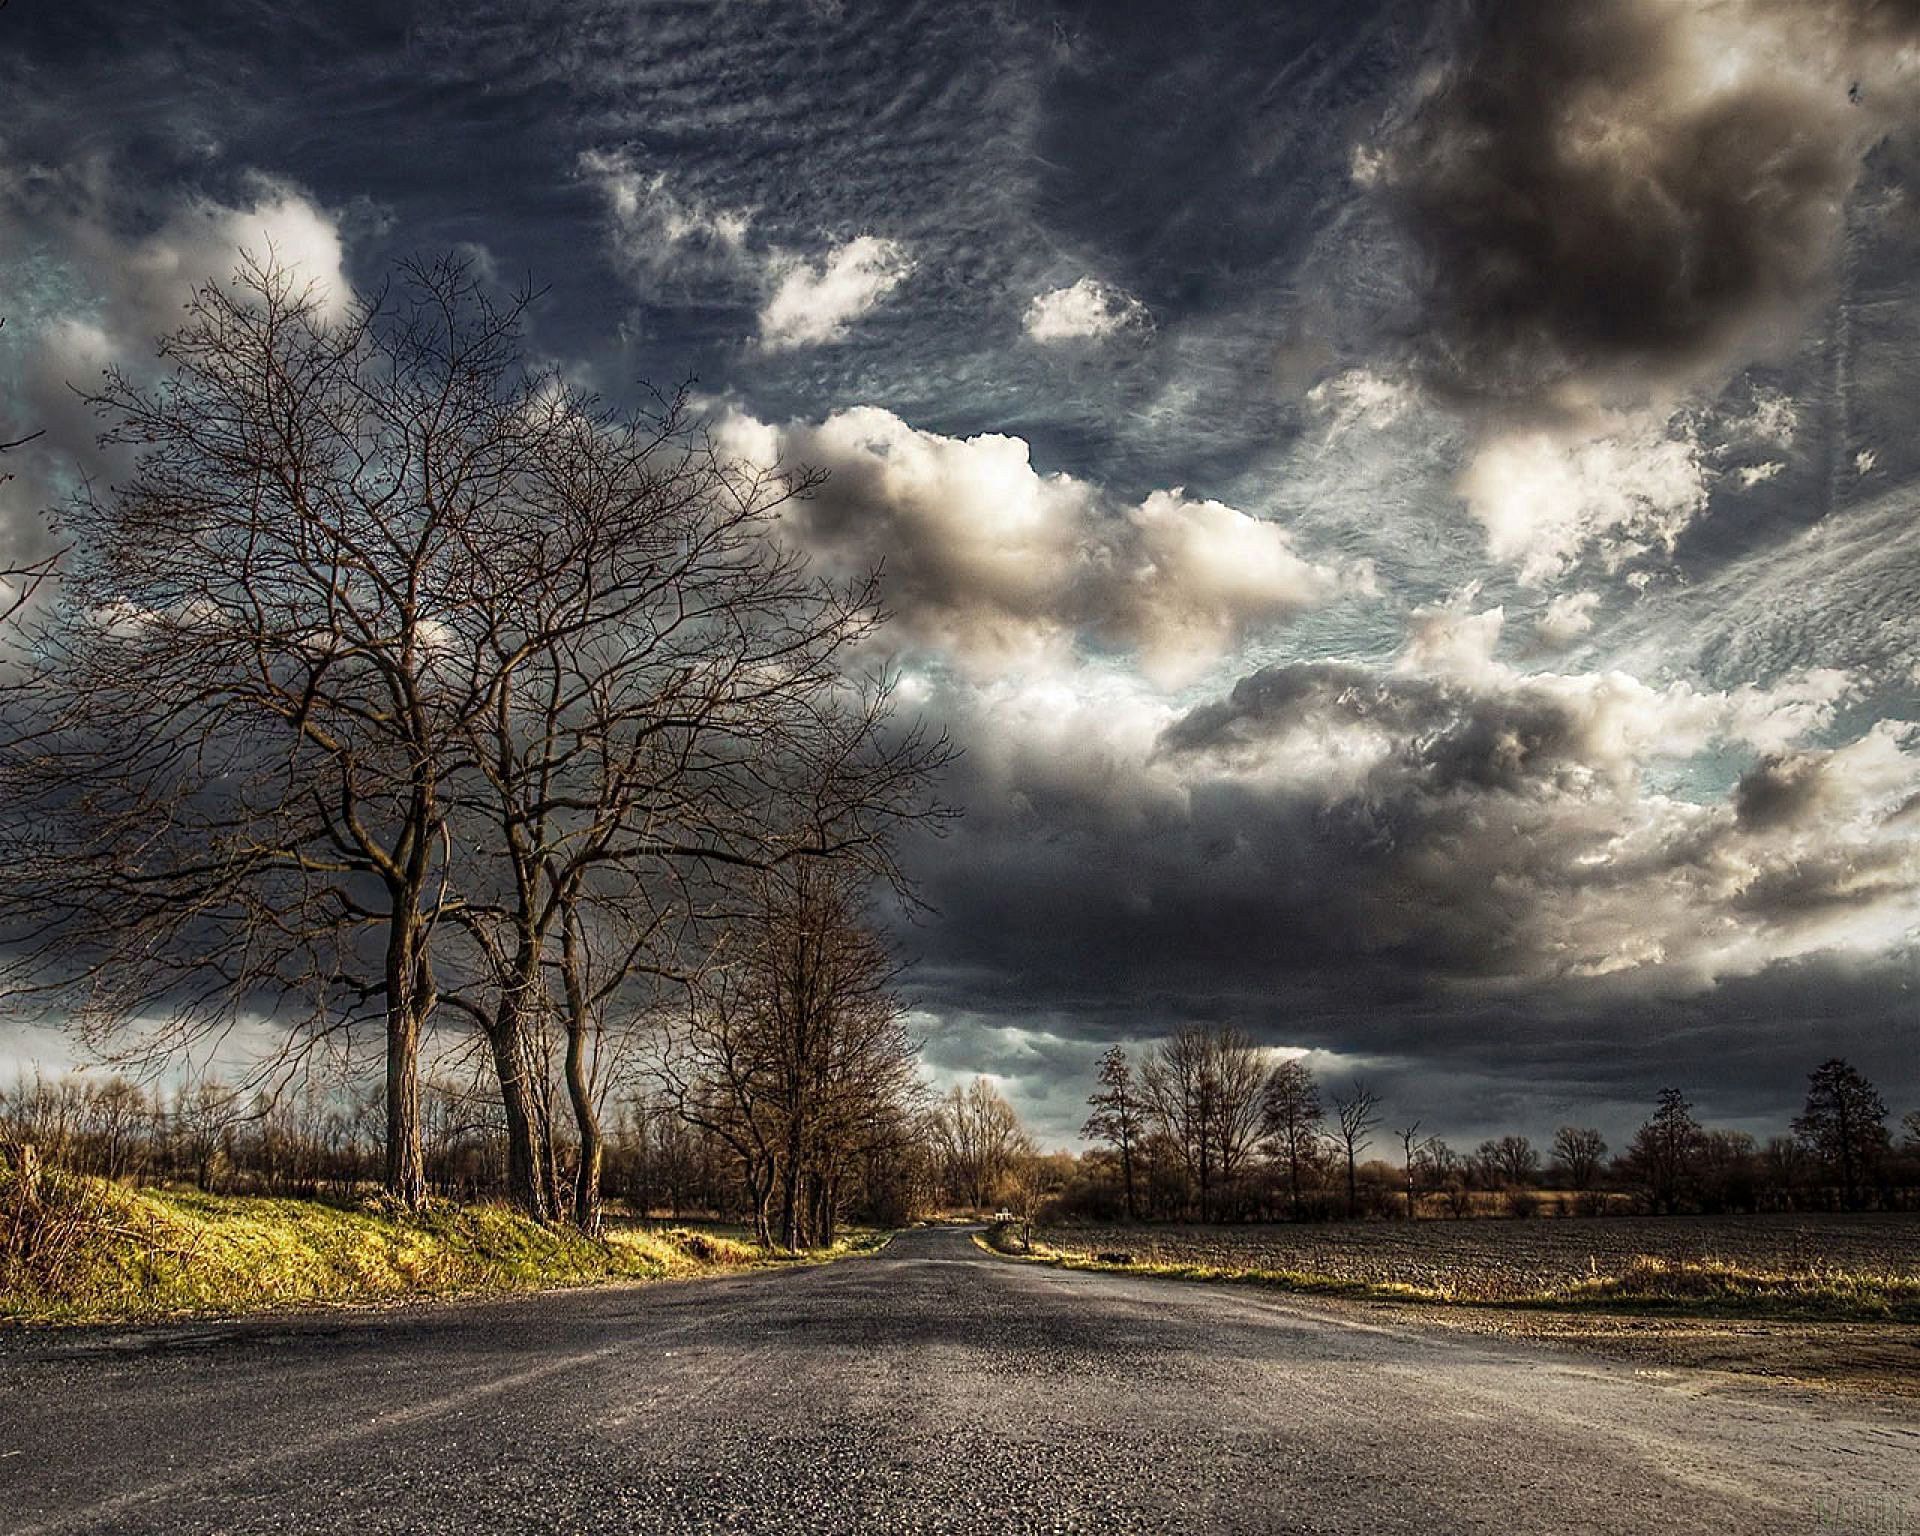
<point>324,1142</point>
<point>1209,1128</point>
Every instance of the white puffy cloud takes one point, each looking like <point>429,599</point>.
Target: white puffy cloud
<point>106,293</point>
<point>1567,617</point>
<point>662,234</point>
<point>813,302</point>
<point>1088,310</point>
<point>1547,497</point>
<point>992,562</point>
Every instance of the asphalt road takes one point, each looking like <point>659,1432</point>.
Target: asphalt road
<point>927,1388</point>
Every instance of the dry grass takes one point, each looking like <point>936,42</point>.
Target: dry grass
<point>82,1250</point>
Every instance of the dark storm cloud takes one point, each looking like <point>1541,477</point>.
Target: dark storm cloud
<point>1621,192</point>
<point>1447,734</point>
<point>1424,873</point>
<point>1398,961</point>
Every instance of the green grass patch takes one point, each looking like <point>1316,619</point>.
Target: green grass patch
<point>1697,1288</point>
<point>83,1250</point>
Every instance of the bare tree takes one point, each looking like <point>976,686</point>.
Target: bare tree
<point>1292,1119</point>
<point>393,659</point>
<point>1665,1153</point>
<point>1118,1117</point>
<point>1410,1149</point>
<point>1844,1125</point>
<point>1513,1160</point>
<point>1204,1088</point>
<point>1357,1113</point>
<point>979,1140</point>
<point>241,714</point>
<point>1579,1153</point>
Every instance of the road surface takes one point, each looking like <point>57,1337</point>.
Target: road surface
<point>927,1388</point>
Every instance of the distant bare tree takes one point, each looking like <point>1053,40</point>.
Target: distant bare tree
<point>1410,1147</point>
<point>1292,1119</point>
<point>1204,1088</point>
<point>1441,1169</point>
<point>1357,1113</point>
<point>1664,1156</point>
<point>1579,1154</point>
<point>1514,1161</point>
<point>1118,1117</point>
<point>979,1139</point>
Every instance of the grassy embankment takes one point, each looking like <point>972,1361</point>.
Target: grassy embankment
<point>1698,1288</point>
<point>83,1250</point>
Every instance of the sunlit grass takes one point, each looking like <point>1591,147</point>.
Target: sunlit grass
<point>76,1250</point>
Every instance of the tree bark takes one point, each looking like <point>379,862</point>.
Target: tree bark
<point>586,1116</point>
<point>406,1172</point>
<point>527,1167</point>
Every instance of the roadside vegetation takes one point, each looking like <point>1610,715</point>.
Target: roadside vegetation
<point>1501,1272</point>
<point>80,1249</point>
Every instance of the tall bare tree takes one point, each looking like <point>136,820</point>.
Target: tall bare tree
<point>392,657</point>
<point>1118,1117</point>
<point>1292,1118</point>
<point>1356,1115</point>
<point>1204,1086</point>
<point>979,1139</point>
<point>240,714</point>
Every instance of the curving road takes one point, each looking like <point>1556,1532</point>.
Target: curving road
<point>927,1388</point>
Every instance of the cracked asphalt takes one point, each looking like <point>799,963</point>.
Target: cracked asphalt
<point>930,1387</point>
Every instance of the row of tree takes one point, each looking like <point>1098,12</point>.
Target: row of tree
<point>395,684</point>
<point>669,1150</point>
<point>1210,1127</point>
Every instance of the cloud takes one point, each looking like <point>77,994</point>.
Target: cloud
<point>1489,887</point>
<point>994,564</point>
<point>1567,617</point>
<point>1361,398</point>
<point>812,303</point>
<point>1623,193</point>
<point>1546,497</point>
<point>665,237</point>
<point>1090,310</point>
<point>659,233</point>
<point>113,271</point>
<point>1367,842</point>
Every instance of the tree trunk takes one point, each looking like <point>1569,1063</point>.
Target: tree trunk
<point>527,1172</point>
<point>409,996</point>
<point>790,1202</point>
<point>586,1115</point>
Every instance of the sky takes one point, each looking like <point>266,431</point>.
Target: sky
<point>1407,508</point>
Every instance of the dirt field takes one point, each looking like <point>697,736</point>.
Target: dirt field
<point>1506,1260</point>
<point>1498,1260</point>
